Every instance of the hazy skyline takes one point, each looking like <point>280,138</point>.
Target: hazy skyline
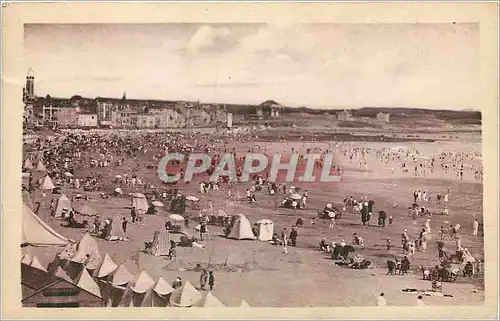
<point>314,65</point>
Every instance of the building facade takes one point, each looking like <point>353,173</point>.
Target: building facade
<point>104,111</point>
<point>345,116</point>
<point>87,120</point>
<point>67,117</point>
<point>383,117</point>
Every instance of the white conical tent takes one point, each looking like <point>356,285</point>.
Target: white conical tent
<point>266,230</point>
<point>88,284</point>
<point>87,246</point>
<point>162,287</point>
<point>143,283</point>
<point>153,299</point>
<point>212,302</point>
<point>185,296</point>
<point>242,230</point>
<point>28,164</point>
<point>59,272</point>
<point>140,293</point>
<point>106,268</point>
<point>26,259</point>
<point>161,242</point>
<point>37,233</point>
<point>37,265</point>
<point>120,295</point>
<point>120,277</point>
<point>47,183</point>
<point>244,304</point>
<point>40,167</point>
<point>62,203</point>
<point>73,269</point>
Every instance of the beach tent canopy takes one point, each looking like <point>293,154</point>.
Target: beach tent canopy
<point>37,265</point>
<point>244,304</point>
<point>162,287</point>
<point>143,283</point>
<point>28,165</point>
<point>185,296</point>
<point>47,183</point>
<point>176,217</point>
<point>37,233</point>
<point>106,267</point>
<point>138,195</point>
<point>212,302</point>
<point>59,272</point>
<point>120,277</point>
<point>62,203</point>
<point>40,167</point>
<point>87,245</point>
<point>26,259</point>
<point>86,282</point>
<point>152,299</point>
<point>161,242</point>
<point>111,231</point>
<point>242,230</point>
<point>140,203</point>
<point>266,230</point>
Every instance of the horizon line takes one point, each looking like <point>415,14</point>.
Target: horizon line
<point>287,106</point>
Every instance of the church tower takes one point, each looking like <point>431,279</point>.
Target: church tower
<point>29,89</point>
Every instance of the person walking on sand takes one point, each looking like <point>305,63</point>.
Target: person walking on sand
<point>284,238</point>
<point>124,226</point>
<point>211,280</point>
<point>332,221</point>
<point>133,213</point>
<point>475,227</point>
<point>381,301</point>
<point>203,279</point>
<point>293,236</point>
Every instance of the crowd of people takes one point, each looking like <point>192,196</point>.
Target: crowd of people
<point>127,153</point>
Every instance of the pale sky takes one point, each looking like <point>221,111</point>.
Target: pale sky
<point>312,65</point>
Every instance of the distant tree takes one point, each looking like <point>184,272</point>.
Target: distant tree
<point>48,97</point>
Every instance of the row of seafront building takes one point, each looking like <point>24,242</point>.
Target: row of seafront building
<point>78,112</point>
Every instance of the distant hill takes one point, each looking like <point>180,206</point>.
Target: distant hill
<point>457,117</point>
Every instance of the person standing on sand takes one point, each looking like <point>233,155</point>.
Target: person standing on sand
<point>211,280</point>
<point>293,236</point>
<point>203,279</point>
<point>475,227</point>
<point>284,239</point>
<point>381,301</point>
<point>420,300</point>
<point>177,283</point>
<point>133,214</point>
<point>124,226</point>
<point>332,221</point>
